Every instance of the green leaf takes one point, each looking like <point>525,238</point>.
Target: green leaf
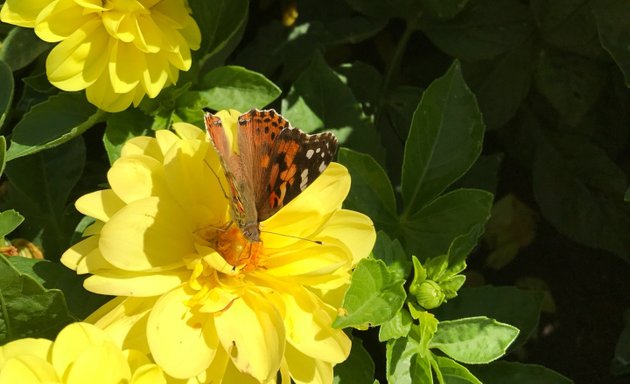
<point>501,372</point>
<point>374,296</point>
<point>452,372</point>
<point>21,47</point>
<point>221,23</point>
<point>364,80</point>
<point>232,87</point>
<point>569,25</point>
<point>396,327</point>
<point>26,308</point>
<point>393,255</point>
<point>371,192</point>
<point>430,231</point>
<point>358,368</point>
<point>483,30</point>
<point>51,123</point>
<point>571,83</point>
<point>484,174</point>
<point>580,191</point>
<point>6,90</point>
<point>9,220</point>
<point>474,340</point>
<point>320,100</point>
<point>444,141</point>
<point>3,154</point>
<point>122,127</point>
<point>39,189</point>
<point>613,24</point>
<point>81,303</point>
<point>620,363</point>
<point>511,305</point>
<point>404,364</point>
<point>443,9</point>
<point>501,84</point>
<point>407,9</point>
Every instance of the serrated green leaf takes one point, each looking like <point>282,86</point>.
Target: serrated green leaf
<point>358,368</point>
<point>396,327</point>
<point>21,47</point>
<point>40,185</point>
<point>452,372</point>
<point>483,30</point>
<point>511,305</point>
<point>431,231</point>
<point>6,90</point>
<point>402,356</point>
<point>26,308</point>
<point>474,340</point>
<point>371,192</point>
<point>9,220</point>
<point>80,302</point>
<point>381,9</point>
<point>364,80</point>
<point>233,87</point>
<point>122,127</point>
<point>320,100</point>
<point>571,83</point>
<point>500,372</point>
<point>374,296</point>
<point>51,123</point>
<point>444,141</point>
<point>393,255</point>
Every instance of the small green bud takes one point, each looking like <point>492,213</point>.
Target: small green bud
<point>428,294</point>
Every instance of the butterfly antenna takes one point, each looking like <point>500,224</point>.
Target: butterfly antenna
<point>294,237</point>
<point>218,179</point>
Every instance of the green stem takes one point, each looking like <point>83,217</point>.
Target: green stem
<point>410,27</point>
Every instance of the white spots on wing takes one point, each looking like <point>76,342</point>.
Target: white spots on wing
<point>318,150</point>
<point>304,177</point>
<point>323,154</point>
<point>309,153</point>
<point>322,166</point>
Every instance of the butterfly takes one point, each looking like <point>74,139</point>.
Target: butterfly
<point>273,163</point>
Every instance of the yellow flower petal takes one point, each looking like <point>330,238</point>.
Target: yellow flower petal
<point>142,145</point>
<point>22,13</point>
<point>305,370</point>
<point>103,363</point>
<point>308,327</point>
<point>101,94</point>
<point>147,234</point>
<point>80,60</point>
<point>28,369</point>
<point>134,178</point>
<point>182,343</point>
<point>35,347</point>
<point>72,257</point>
<point>352,230</point>
<point>60,19</point>
<point>148,374</point>
<point>148,36</point>
<point>117,283</point>
<point>126,66</point>
<point>100,205</point>
<point>304,215</point>
<point>166,140</point>
<point>255,349</point>
<point>72,341</point>
<point>124,320</point>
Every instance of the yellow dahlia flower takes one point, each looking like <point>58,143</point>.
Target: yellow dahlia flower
<point>163,243</point>
<point>117,50</point>
<point>82,353</point>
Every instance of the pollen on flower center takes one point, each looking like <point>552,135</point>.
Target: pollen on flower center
<point>237,250</point>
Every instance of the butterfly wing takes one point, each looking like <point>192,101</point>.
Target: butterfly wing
<point>285,160</point>
<point>238,178</point>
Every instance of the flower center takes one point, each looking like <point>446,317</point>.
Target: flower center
<point>237,250</point>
